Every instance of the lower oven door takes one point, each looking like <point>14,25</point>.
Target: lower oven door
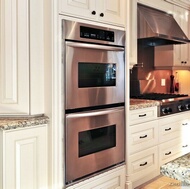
<point>94,141</point>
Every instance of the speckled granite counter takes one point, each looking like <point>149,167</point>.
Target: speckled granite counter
<point>20,122</point>
<point>178,169</point>
<point>141,103</point>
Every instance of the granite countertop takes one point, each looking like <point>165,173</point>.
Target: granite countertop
<point>142,103</point>
<point>7,123</point>
<point>178,169</point>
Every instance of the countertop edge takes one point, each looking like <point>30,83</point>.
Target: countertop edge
<point>136,104</point>
<point>9,123</point>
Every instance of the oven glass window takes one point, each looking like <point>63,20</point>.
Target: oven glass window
<point>96,74</point>
<point>92,141</point>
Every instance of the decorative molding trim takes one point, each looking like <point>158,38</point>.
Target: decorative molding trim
<point>182,3</point>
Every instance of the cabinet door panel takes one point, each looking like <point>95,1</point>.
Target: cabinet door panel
<point>82,8</point>
<point>182,51</point>
<point>14,59</point>
<point>25,153</point>
<point>113,11</point>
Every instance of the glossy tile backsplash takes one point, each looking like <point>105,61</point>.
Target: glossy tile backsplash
<point>146,79</point>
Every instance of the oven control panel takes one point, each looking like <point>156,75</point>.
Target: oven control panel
<point>98,34</point>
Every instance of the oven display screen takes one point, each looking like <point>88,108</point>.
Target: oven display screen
<point>96,75</point>
<point>96,140</point>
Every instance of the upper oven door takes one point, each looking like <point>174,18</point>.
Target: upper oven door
<point>94,75</point>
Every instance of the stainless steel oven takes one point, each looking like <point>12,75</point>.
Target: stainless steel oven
<point>94,141</point>
<point>94,65</point>
<point>93,59</point>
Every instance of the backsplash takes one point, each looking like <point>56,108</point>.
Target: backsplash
<point>146,79</point>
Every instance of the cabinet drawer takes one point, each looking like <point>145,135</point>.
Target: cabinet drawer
<point>143,136</point>
<point>170,150</point>
<point>143,163</point>
<point>143,115</point>
<point>170,131</point>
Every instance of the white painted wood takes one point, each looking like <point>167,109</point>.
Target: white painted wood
<point>22,57</point>
<point>169,151</point>
<point>181,52</point>
<point>25,158</point>
<point>132,31</point>
<point>143,136</point>
<point>143,115</point>
<point>113,179</point>
<point>143,163</point>
<point>173,137</point>
<point>113,10</point>
<point>14,50</point>
<point>37,54</point>
<point>82,8</point>
<point>142,146</point>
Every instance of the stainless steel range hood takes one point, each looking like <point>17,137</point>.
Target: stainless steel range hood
<point>156,28</point>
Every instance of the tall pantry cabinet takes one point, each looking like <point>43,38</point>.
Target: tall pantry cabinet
<point>21,57</point>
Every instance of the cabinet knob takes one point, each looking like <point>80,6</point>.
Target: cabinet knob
<point>185,62</point>
<point>94,12</point>
<point>102,14</point>
<point>182,62</point>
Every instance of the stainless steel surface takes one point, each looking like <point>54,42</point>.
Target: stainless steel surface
<point>94,46</point>
<point>169,103</point>
<point>71,30</point>
<point>79,167</point>
<point>85,97</point>
<point>92,53</point>
<point>156,27</point>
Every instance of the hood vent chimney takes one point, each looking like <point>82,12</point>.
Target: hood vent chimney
<point>156,28</point>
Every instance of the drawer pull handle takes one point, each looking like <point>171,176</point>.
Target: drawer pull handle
<point>185,124</point>
<point>143,136</point>
<point>143,164</point>
<point>168,129</point>
<point>167,153</point>
<point>185,146</point>
<point>142,115</point>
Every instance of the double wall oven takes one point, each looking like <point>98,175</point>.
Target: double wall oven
<point>94,99</point>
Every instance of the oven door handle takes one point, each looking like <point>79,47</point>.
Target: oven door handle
<point>94,46</point>
<point>94,113</point>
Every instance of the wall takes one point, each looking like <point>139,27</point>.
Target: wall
<point>146,79</point>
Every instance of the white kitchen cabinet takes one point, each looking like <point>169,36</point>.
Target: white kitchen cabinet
<point>142,142</point>
<point>23,158</point>
<point>131,28</point>
<point>143,136</point>
<point>143,115</point>
<point>169,151</point>
<point>104,11</point>
<point>173,137</point>
<point>21,60</point>
<point>143,163</point>
<point>113,179</point>
<point>181,52</point>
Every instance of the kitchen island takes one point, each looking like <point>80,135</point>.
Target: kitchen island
<point>178,169</point>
